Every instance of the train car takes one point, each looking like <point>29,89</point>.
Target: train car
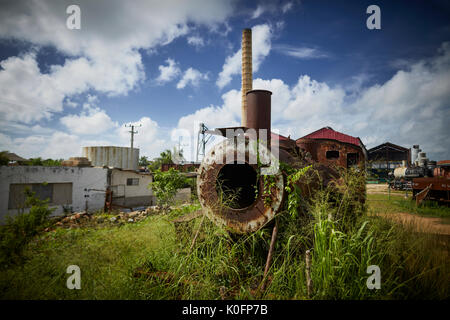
<point>436,187</point>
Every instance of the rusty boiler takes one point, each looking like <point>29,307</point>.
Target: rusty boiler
<point>235,168</point>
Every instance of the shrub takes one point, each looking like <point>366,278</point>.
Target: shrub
<point>19,230</point>
<point>165,185</point>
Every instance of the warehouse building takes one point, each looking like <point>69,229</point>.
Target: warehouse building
<point>389,156</point>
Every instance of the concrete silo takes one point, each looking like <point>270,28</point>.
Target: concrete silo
<point>119,157</point>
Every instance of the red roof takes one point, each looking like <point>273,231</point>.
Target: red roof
<point>275,136</point>
<point>329,133</point>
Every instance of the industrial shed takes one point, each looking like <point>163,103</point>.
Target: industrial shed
<point>331,147</point>
<point>389,156</point>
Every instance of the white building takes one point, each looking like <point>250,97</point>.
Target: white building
<point>72,189</point>
<point>130,188</point>
<point>65,187</point>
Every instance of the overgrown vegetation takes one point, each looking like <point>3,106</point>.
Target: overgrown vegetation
<point>158,259</point>
<point>165,185</point>
<point>20,229</point>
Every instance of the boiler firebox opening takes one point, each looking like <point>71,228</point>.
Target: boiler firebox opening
<point>236,185</point>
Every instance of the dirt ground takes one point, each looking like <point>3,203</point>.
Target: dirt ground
<point>383,189</point>
<point>419,223</point>
<point>376,188</point>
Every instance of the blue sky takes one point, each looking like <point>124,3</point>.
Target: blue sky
<point>169,65</point>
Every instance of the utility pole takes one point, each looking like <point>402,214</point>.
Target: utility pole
<point>132,140</point>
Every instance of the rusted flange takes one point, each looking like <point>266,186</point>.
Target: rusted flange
<point>254,216</point>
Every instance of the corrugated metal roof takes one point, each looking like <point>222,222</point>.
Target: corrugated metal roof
<point>329,133</point>
<point>388,145</point>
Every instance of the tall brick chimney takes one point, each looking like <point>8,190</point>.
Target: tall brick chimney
<point>247,77</point>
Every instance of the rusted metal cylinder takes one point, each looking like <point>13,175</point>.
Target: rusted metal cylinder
<point>258,110</point>
<point>247,76</point>
<point>220,172</point>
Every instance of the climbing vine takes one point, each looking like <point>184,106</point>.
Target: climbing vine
<point>293,190</point>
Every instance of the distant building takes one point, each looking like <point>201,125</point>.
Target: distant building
<point>331,147</point>
<point>388,156</point>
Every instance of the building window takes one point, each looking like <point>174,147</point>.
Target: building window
<point>332,154</point>
<point>132,181</point>
<point>55,193</point>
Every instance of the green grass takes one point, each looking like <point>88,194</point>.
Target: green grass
<point>105,256</point>
<point>380,203</point>
<point>152,259</point>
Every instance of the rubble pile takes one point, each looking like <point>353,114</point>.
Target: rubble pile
<point>81,219</point>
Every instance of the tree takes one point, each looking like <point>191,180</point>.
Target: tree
<point>143,161</point>
<point>46,163</point>
<point>165,185</point>
<point>164,157</point>
<point>3,158</point>
<point>52,162</point>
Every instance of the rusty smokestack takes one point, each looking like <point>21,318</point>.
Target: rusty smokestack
<point>247,77</point>
<point>258,110</point>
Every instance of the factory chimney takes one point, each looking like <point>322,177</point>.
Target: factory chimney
<point>247,77</point>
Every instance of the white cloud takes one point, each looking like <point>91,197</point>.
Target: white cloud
<point>261,44</point>
<point>58,145</point>
<point>286,7</point>
<point>258,12</point>
<point>94,121</point>
<point>191,76</point>
<point>25,94</point>
<point>300,52</point>
<point>196,41</point>
<point>169,72</point>
<point>227,115</point>
<point>103,55</point>
<point>151,139</point>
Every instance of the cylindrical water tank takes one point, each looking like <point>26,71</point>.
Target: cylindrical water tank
<point>111,156</point>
